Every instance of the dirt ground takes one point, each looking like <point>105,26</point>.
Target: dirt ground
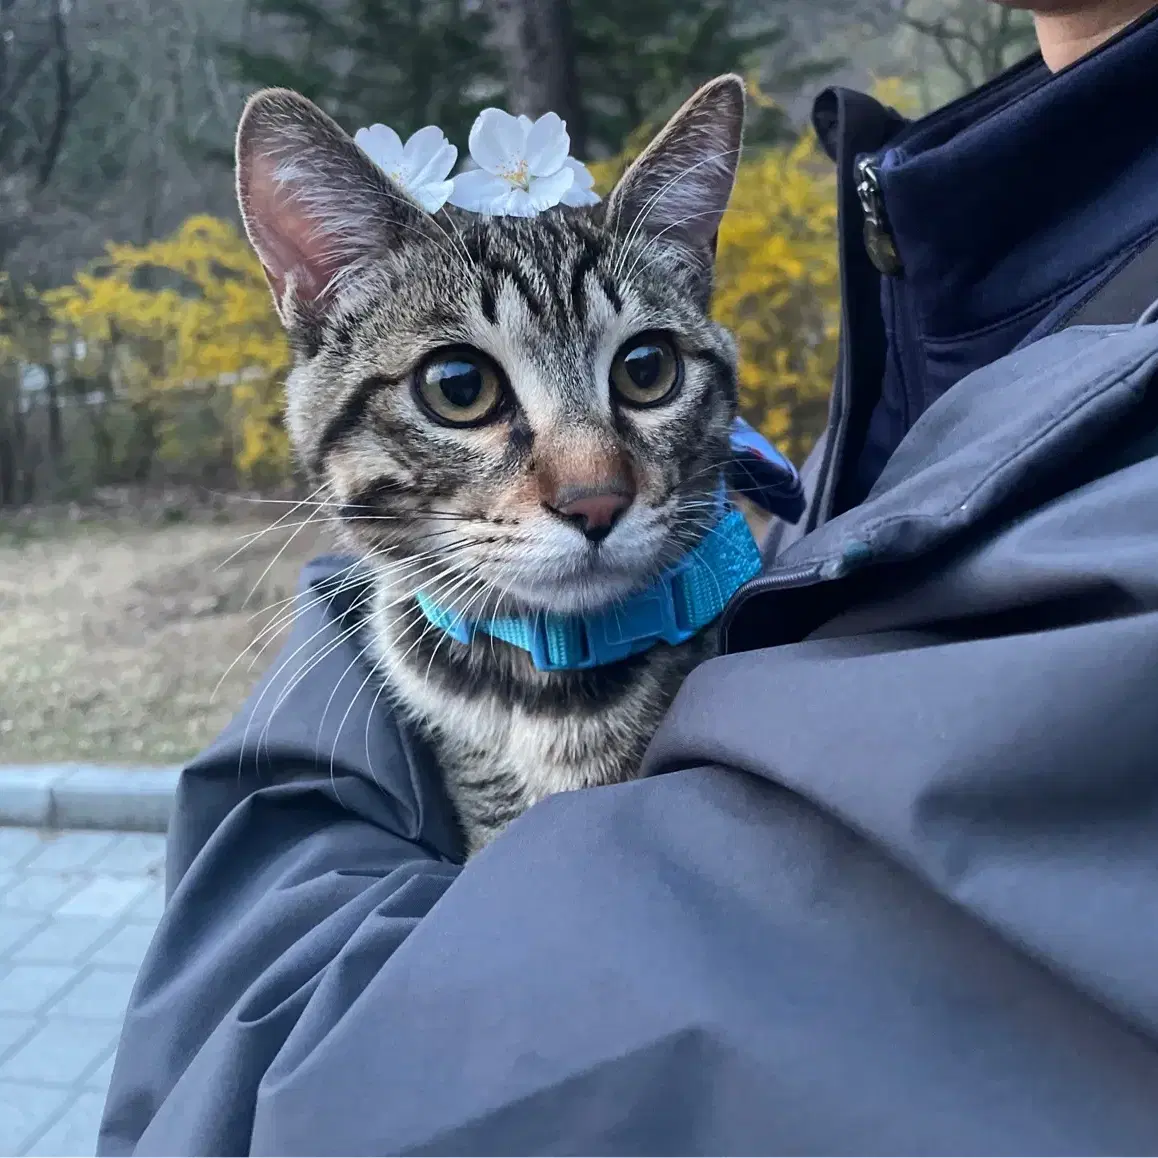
<point>116,631</point>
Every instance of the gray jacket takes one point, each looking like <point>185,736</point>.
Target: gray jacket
<point>890,886</point>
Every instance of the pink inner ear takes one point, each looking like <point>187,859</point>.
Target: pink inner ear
<point>288,239</point>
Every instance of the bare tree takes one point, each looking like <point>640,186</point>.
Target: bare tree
<point>115,124</point>
<point>39,94</point>
<point>974,39</point>
<point>537,40</point>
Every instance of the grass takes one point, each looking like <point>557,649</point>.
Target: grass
<point>115,632</point>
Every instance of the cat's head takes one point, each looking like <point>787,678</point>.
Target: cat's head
<point>516,413</point>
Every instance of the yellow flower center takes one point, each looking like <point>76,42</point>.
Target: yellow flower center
<point>519,175</point>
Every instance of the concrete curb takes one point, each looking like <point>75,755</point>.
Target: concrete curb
<point>87,796</point>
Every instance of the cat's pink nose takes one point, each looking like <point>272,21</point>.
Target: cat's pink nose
<point>594,512</point>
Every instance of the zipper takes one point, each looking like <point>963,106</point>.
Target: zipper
<point>792,577</point>
<point>878,236</point>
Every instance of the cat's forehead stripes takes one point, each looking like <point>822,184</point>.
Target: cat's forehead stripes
<point>549,264</point>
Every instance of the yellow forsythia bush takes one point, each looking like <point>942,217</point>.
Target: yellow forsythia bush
<point>778,291</point>
<point>189,312</point>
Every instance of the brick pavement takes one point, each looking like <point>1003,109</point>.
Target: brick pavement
<point>77,910</point>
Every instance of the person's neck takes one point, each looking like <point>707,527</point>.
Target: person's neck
<point>1069,32</point>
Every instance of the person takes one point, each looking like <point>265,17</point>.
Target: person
<point>889,882</point>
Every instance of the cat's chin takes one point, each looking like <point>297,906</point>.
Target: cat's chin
<point>578,594</point>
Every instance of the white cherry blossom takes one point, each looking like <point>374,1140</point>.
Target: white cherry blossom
<point>421,167</point>
<point>523,167</point>
<point>581,191</point>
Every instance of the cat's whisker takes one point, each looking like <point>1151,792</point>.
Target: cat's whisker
<point>306,502</point>
<point>376,554</point>
<point>281,619</point>
<point>346,714</point>
<point>273,562</point>
<point>326,626</point>
<point>466,582</point>
<point>369,594</point>
<point>462,243</point>
<point>384,660</point>
<point>470,603</point>
<point>286,617</point>
<point>326,651</point>
<point>355,661</point>
<point>370,715</point>
<point>349,707</point>
<point>339,520</point>
<point>271,630</point>
<point>253,538</point>
<point>288,599</point>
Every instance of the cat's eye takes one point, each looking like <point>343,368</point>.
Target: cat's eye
<point>459,387</point>
<point>646,371</point>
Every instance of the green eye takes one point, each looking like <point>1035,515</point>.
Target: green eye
<point>646,371</point>
<point>459,387</point>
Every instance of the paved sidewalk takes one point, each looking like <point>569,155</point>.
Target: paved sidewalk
<point>77,910</point>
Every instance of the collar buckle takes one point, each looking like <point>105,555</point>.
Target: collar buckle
<point>614,634</point>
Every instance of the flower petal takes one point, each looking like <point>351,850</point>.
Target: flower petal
<point>547,145</point>
<point>382,145</point>
<point>497,141</point>
<point>440,165</point>
<point>514,202</point>
<point>479,191</point>
<point>432,195</point>
<point>428,156</point>
<point>581,192</point>
<point>547,191</point>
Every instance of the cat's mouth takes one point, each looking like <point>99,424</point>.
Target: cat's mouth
<point>572,576</point>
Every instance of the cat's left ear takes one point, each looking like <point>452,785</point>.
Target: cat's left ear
<point>315,206</point>
<point>680,185</point>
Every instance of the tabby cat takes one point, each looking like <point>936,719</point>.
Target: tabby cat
<point>519,416</point>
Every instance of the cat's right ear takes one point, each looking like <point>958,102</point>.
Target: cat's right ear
<point>315,206</point>
<point>680,184</point>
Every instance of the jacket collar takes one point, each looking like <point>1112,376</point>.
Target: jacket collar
<point>850,124</point>
<point>1006,439</point>
<point>986,197</point>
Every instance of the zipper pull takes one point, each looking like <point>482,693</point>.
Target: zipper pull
<point>878,238</point>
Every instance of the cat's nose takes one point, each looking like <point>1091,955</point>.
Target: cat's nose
<point>594,512</point>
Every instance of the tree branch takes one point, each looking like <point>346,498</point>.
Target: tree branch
<point>65,97</point>
<point>944,38</point>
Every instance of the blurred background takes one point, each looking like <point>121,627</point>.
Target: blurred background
<point>142,456</point>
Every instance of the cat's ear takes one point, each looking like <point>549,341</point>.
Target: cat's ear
<point>314,205</point>
<point>679,186</point>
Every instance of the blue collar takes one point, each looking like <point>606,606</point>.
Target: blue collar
<point>678,605</point>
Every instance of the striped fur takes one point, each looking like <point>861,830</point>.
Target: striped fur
<point>368,285</point>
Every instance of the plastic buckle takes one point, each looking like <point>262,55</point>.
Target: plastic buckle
<point>541,649</point>
<point>645,619</point>
<point>617,633</point>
